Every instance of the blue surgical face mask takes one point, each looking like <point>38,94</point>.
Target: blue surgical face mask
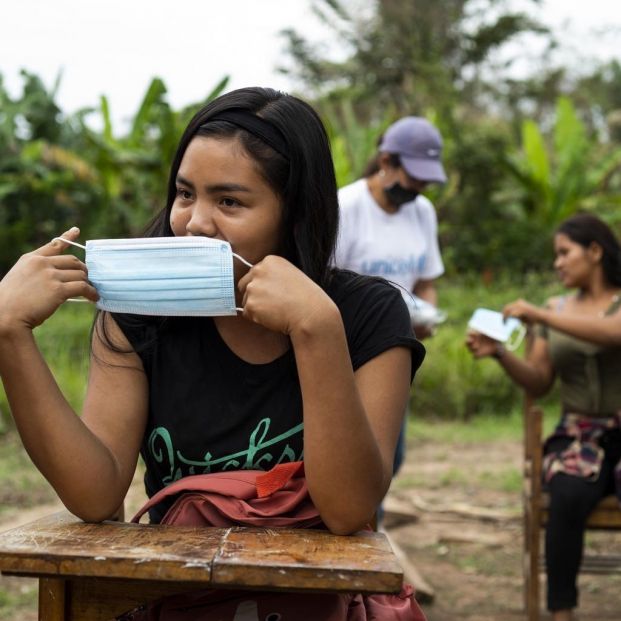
<point>170,276</point>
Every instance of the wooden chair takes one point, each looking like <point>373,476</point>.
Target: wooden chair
<point>605,516</point>
<point>94,572</point>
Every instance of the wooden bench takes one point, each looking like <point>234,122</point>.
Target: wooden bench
<point>606,515</point>
<point>93,572</point>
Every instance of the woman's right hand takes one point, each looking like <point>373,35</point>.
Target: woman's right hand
<point>480,345</point>
<point>40,282</point>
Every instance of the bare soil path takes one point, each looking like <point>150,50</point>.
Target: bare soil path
<point>466,541</point>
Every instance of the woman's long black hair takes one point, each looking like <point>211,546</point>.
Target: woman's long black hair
<point>305,181</point>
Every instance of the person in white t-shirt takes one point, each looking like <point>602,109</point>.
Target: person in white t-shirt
<point>387,227</point>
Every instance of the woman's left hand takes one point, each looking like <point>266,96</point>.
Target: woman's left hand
<point>523,310</point>
<point>480,345</point>
<point>279,296</point>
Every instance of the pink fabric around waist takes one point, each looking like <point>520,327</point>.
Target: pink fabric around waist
<point>275,498</point>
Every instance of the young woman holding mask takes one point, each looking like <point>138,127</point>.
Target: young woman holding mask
<point>317,365</point>
<point>578,338</point>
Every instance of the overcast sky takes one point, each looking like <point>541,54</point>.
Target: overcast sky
<point>115,47</point>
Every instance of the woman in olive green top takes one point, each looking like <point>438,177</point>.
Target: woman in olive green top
<point>579,339</point>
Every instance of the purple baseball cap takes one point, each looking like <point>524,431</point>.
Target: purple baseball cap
<point>419,145</point>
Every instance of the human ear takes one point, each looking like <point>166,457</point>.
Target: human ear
<point>595,252</point>
<point>383,163</point>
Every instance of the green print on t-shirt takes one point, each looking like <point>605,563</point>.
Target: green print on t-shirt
<point>254,457</point>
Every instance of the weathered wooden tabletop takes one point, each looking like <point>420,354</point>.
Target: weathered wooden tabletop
<point>61,546</point>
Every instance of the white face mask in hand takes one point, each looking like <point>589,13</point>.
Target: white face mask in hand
<point>422,313</point>
<point>491,323</point>
<point>170,276</point>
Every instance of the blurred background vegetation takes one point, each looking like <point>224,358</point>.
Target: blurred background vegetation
<point>521,154</point>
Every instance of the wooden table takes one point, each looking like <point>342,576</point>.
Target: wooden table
<point>92,572</point>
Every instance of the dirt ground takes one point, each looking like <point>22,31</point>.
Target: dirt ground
<point>465,539</point>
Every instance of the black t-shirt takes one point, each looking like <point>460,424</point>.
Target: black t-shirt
<point>211,411</point>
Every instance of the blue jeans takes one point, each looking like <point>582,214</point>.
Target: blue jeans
<point>400,448</point>
<point>397,461</point>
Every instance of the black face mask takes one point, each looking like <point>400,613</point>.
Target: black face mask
<point>398,195</point>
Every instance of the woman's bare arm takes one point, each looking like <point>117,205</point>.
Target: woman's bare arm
<point>601,330</point>
<point>351,420</point>
<point>89,460</point>
<point>535,373</point>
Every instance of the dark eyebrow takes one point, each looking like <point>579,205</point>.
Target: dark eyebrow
<point>227,187</point>
<point>184,181</point>
<point>218,187</point>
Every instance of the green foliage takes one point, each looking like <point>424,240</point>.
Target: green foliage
<point>482,228</point>
<point>451,384</point>
<point>559,176</point>
<point>405,55</point>
<point>480,429</point>
<point>353,143</point>
<point>496,213</point>
<point>64,342</point>
<point>41,182</point>
<point>133,169</point>
<point>21,484</point>
<point>56,171</point>
<point>511,179</point>
<point>503,200</point>
<point>510,183</point>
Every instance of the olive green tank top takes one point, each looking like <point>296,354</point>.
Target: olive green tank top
<point>589,374</point>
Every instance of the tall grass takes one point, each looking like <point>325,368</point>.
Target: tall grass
<point>64,342</point>
<point>480,429</point>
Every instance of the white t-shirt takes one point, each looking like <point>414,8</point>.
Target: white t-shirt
<point>401,247</point>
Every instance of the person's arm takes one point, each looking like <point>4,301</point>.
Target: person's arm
<point>433,266</point>
<point>89,460</point>
<point>351,420</point>
<point>426,290</point>
<point>605,330</point>
<point>535,374</point>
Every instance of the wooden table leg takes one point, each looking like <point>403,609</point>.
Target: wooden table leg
<point>52,598</point>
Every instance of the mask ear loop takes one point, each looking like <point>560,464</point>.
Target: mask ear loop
<point>242,260</point>
<point>68,241</point>
<point>238,308</point>
<point>514,343</point>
